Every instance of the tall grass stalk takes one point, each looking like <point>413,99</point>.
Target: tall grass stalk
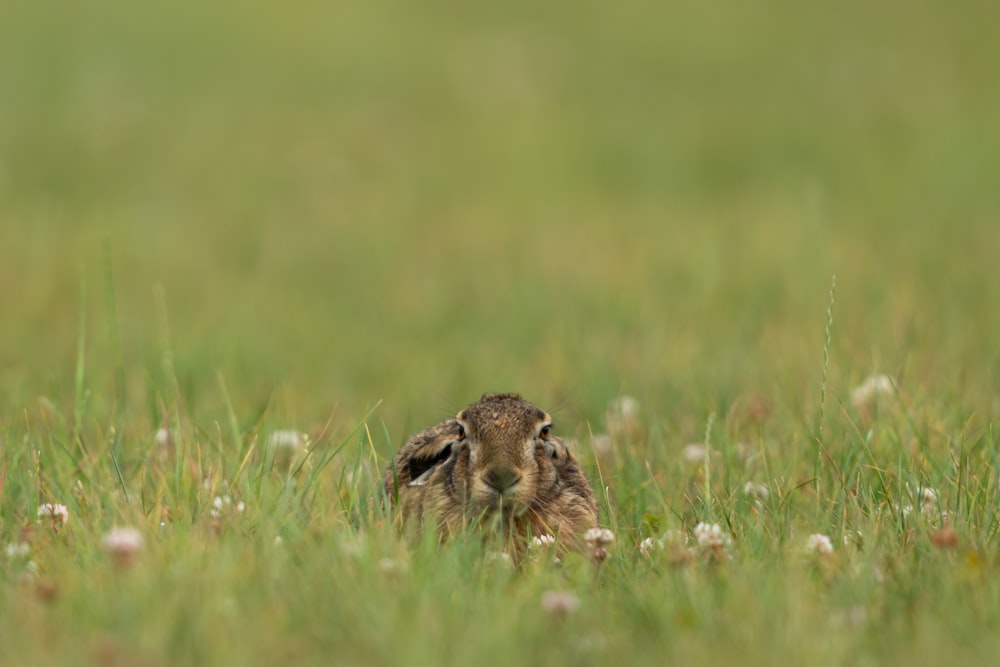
<point>708,509</point>
<point>821,416</point>
<point>79,384</point>
<point>114,330</point>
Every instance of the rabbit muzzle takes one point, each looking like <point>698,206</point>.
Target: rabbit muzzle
<point>502,488</point>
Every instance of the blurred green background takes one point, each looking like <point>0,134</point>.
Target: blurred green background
<point>342,203</point>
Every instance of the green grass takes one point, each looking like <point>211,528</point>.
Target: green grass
<point>351,220</point>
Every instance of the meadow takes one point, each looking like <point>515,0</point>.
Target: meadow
<point>744,253</point>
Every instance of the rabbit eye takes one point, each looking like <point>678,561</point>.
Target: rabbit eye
<point>545,432</point>
<point>461,432</point>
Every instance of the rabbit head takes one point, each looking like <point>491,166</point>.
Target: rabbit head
<point>502,433</point>
<point>497,459</point>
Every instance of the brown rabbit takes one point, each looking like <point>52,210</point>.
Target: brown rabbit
<point>496,464</point>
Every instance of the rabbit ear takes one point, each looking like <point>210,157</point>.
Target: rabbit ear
<point>425,461</point>
<point>424,477</point>
<point>428,455</point>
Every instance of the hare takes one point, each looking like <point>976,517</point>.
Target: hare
<point>495,464</point>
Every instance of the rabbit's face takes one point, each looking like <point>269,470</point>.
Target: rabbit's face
<point>503,435</point>
<point>495,461</point>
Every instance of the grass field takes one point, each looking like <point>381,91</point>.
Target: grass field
<point>220,222</point>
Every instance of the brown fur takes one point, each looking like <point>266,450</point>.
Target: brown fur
<point>494,464</point>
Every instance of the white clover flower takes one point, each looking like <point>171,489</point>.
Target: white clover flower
<point>601,443</point>
<point>622,415</point>
<point>560,604</point>
<point>856,615</point>
<point>542,542</point>
<point>671,538</point>
<point>501,557</point>
<point>599,537</point>
<point>649,545</point>
<point>928,505</point>
<point>353,547</point>
<point>927,496</point>
<point>851,617</point>
<point>162,437</point>
<point>122,544</point>
<point>225,503</point>
<point>856,537</point>
<point>289,447</point>
<point>624,406</point>
<point>745,451</point>
<point>28,573</point>
<point>819,544</point>
<point>711,536</point>
<point>391,565</point>
<point>756,489</point>
<point>873,388</point>
<point>287,438</point>
<point>122,539</point>
<point>16,550</point>
<point>56,512</point>
<point>695,453</point>
<point>592,642</point>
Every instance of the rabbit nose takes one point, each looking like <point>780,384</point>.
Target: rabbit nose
<point>501,479</point>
